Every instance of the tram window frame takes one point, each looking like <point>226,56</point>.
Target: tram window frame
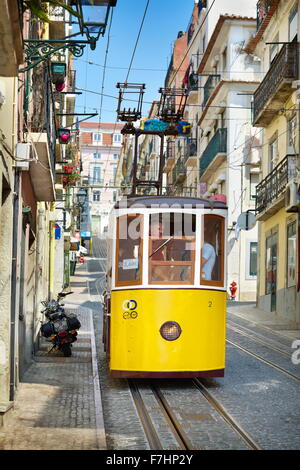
<point>169,263</point>
<point>215,283</point>
<point>134,282</point>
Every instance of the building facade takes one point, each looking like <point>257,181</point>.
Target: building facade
<point>100,145</point>
<point>276,111</point>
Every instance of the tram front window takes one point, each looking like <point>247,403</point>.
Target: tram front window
<point>129,250</point>
<point>171,248</point>
<point>212,252</point>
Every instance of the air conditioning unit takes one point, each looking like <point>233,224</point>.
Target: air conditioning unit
<point>292,200</point>
<point>23,153</point>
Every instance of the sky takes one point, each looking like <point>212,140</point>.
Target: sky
<point>163,20</point>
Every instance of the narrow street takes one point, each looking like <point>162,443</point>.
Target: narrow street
<point>61,406</point>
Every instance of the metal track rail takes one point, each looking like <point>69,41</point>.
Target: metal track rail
<point>265,361</point>
<point>225,415</point>
<point>252,335</point>
<point>148,425</point>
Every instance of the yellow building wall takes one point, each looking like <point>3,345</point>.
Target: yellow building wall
<point>281,219</point>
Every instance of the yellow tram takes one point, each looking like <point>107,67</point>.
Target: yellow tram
<point>165,304</point>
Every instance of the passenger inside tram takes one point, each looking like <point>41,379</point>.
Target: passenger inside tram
<point>171,255</point>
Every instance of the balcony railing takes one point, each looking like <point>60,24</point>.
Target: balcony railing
<point>170,151</point>
<point>276,85</point>
<point>264,8</point>
<point>71,84</point>
<point>193,82</point>
<point>190,149</point>
<point>271,188</point>
<point>179,172</point>
<point>209,87</point>
<point>217,145</point>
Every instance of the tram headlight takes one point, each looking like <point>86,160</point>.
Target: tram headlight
<point>170,330</point>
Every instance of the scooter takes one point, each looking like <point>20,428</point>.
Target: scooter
<point>61,328</point>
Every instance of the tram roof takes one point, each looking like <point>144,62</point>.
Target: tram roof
<point>172,202</point>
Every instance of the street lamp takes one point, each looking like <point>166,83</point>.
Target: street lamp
<point>81,197</point>
<point>93,17</point>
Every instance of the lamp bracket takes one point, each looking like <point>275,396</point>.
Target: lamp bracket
<point>37,51</point>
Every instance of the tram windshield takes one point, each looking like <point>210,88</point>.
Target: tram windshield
<point>171,248</point>
<point>129,250</point>
<point>212,252</point>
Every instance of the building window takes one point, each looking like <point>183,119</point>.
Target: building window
<point>273,152</point>
<point>291,135</point>
<point>117,138</point>
<point>291,254</point>
<point>97,156</point>
<point>115,156</point>
<point>293,23</point>
<point>254,180</point>
<point>96,174</point>
<point>253,259</point>
<point>97,137</point>
<point>96,196</point>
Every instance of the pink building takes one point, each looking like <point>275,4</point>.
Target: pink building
<point>101,145</point>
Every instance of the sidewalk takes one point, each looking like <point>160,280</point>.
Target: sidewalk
<point>269,320</point>
<point>58,403</point>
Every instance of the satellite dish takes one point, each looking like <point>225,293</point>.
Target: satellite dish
<point>246,221</point>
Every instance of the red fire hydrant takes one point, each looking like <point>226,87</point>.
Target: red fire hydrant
<point>233,289</point>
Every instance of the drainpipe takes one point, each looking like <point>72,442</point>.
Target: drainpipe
<point>14,282</point>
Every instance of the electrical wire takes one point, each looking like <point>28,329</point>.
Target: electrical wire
<point>137,40</point>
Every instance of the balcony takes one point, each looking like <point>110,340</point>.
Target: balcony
<point>276,87</point>
<point>265,9</point>
<point>11,43</point>
<point>270,192</point>
<point>170,154</point>
<point>209,87</point>
<point>215,151</point>
<point>40,120</point>
<point>190,153</point>
<point>193,85</point>
<point>178,172</point>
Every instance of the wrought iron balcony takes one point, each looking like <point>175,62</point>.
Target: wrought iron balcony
<point>170,154</point>
<point>275,88</point>
<point>209,87</point>
<point>179,172</point>
<point>265,8</point>
<point>190,152</point>
<point>216,147</point>
<point>270,191</point>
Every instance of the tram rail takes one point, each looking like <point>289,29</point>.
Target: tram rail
<point>265,361</point>
<point>255,337</point>
<point>181,438</point>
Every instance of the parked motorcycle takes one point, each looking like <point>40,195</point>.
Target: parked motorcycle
<point>61,328</point>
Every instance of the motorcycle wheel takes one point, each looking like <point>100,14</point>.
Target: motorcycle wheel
<point>66,349</point>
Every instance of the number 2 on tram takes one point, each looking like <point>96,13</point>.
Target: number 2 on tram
<point>165,307</point>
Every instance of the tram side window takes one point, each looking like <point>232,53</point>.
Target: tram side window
<point>171,248</point>
<point>129,250</point>
<point>212,252</point>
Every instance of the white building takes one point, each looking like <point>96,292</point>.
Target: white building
<point>229,147</point>
<point>101,145</point>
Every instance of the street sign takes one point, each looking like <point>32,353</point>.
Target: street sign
<point>246,221</point>
<point>85,234</point>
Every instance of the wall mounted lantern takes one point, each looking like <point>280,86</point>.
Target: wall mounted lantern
<point>64,135</point>
<point>92,20</point>
<point>58,74</point>
<point>93,17</point>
